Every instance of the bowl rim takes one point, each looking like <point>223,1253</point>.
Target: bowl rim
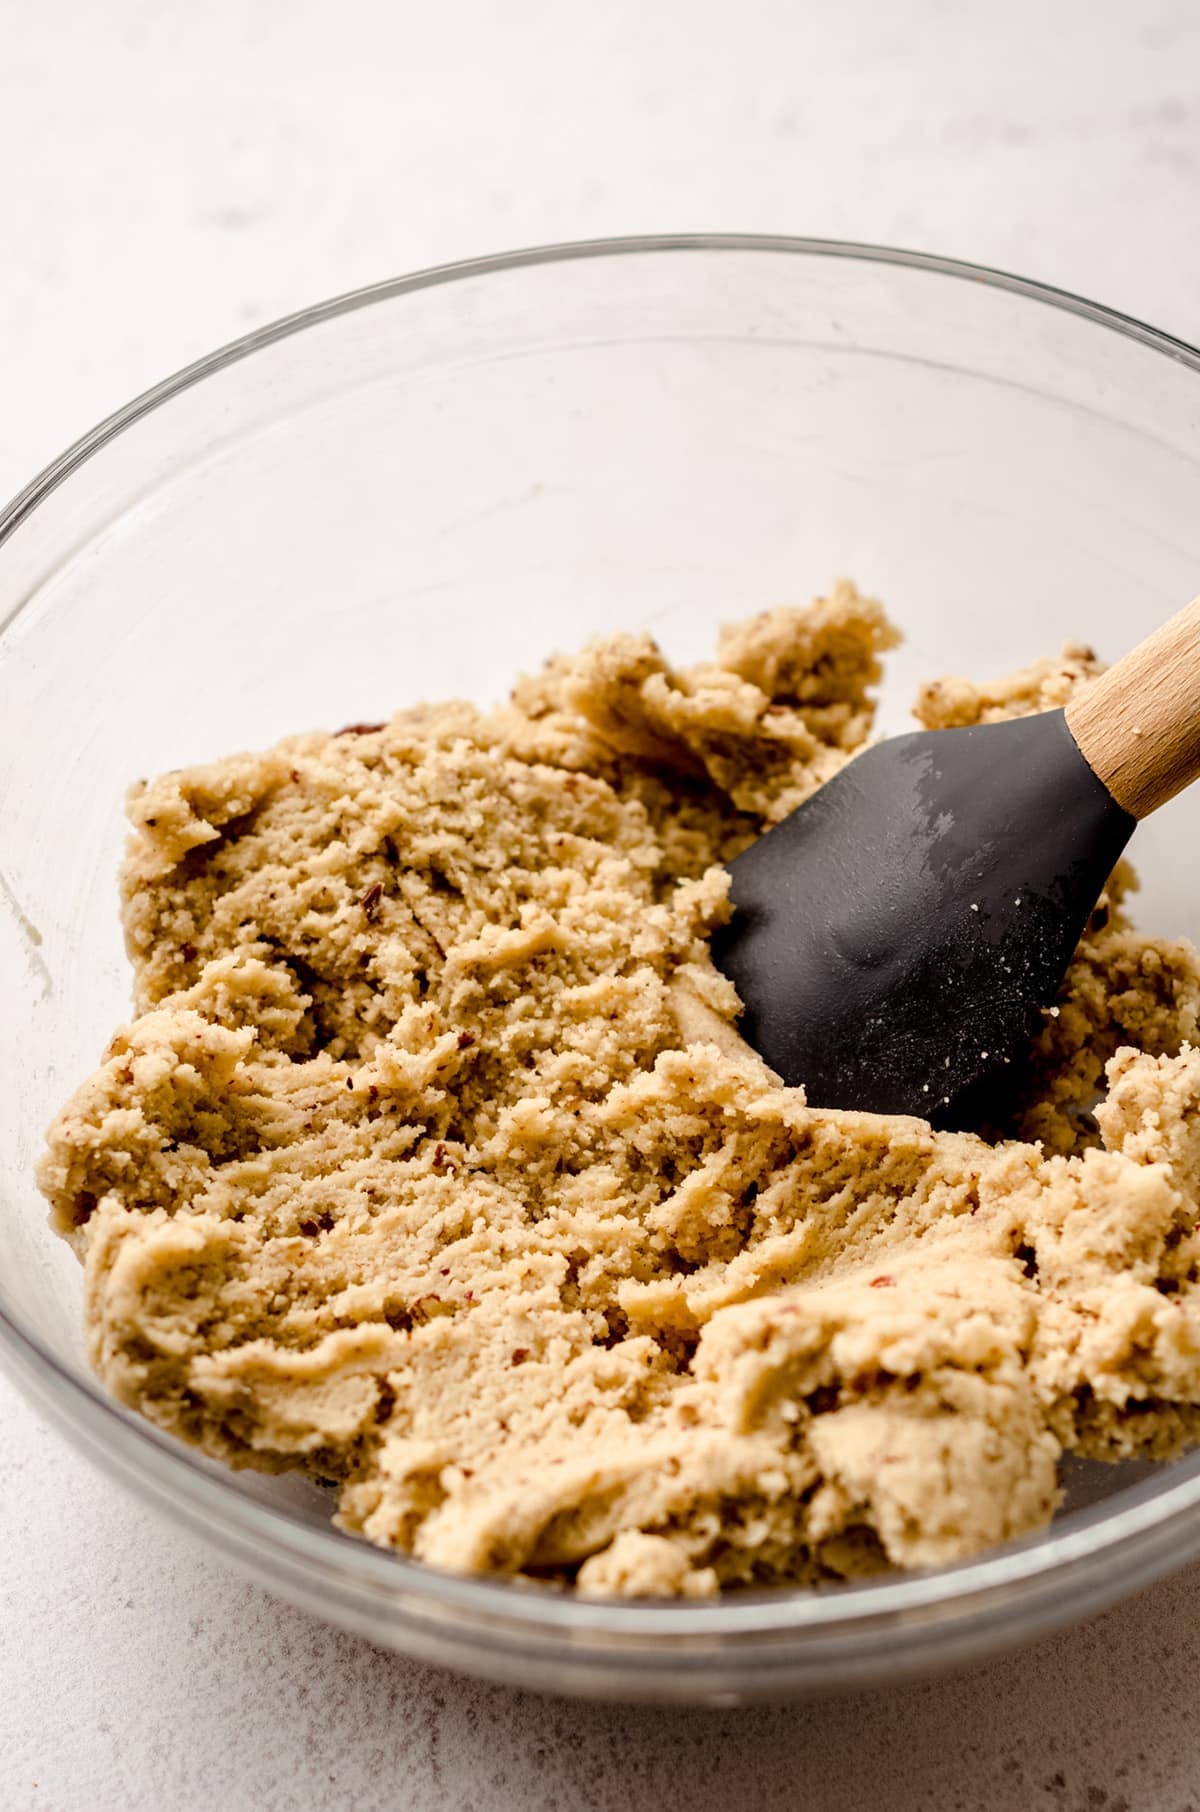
<point>406,1585</point>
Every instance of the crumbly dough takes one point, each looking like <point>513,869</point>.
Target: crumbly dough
<point>432,1163</point>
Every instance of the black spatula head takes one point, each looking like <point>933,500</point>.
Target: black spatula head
<point>894,939</point>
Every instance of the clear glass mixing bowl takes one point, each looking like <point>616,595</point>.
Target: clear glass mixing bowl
<point>418,490</point>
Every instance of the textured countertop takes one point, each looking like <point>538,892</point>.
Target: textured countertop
<point>176,175</point>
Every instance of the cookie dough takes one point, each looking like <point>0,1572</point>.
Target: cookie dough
<point>432,1164</point>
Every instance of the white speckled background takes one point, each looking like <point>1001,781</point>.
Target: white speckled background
<point>175,174</point>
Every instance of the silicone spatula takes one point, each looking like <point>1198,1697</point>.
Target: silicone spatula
<point>895,939</point>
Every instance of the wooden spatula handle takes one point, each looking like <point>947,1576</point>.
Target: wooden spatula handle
<point>1138,725</point>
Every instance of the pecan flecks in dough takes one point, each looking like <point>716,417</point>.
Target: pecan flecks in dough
<point>433,1164</point>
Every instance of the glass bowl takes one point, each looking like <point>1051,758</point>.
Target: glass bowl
<point>421,488</point>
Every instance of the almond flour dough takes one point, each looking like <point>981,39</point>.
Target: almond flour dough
<point>433,1165</point>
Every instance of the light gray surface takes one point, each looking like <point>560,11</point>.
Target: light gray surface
<point>176,175</point>
<point>139,1675</point>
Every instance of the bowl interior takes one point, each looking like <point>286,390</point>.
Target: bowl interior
<point>427,490</point>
